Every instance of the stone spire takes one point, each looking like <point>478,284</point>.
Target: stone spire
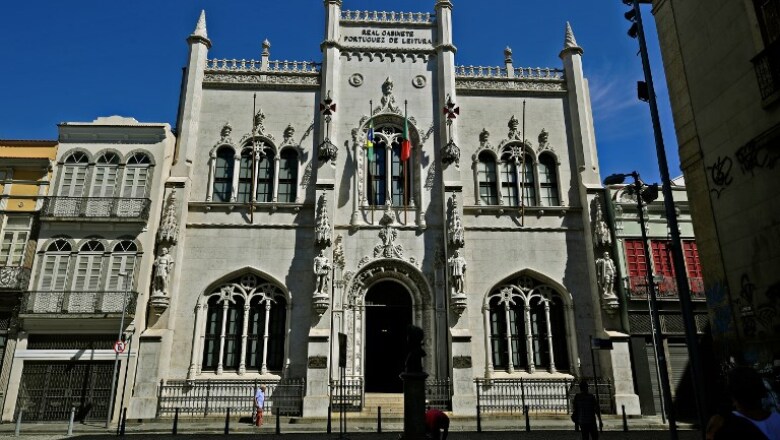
<point>569,42</point>
<point>200,34</point>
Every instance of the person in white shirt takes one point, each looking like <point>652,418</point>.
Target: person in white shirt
<point>749,420</point>
<point>259,401</point>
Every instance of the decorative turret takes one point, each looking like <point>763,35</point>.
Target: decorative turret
<point>200,34</point>
<point>570,43</point>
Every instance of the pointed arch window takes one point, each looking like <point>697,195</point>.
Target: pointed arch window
<point>509,179</point>
<point>377,174</point>
<point>54,274</point>
<point>136,179</point>
<point>528,181</point>
<point>399,174</point>
<point>265,177</point>
<point>106,172</point>
<point>74,175</point>
<point>288,176</point>
<point>244,194</point>
<point>244,328</point>
<point>548,181</point>
<point>223,174</point>
<point>486,176</point>
<point>527,327</point>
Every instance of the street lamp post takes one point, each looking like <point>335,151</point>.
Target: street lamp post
<point>110,412</point>
<point>681,276</point>
<point>651,193</point>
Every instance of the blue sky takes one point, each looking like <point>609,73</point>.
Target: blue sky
<point>75,61</point>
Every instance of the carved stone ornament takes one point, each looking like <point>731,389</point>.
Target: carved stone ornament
<point>322,268</point>
<point>387,103</point>
<point>275,80</point>
<point>327,151</point>
<point>430,178</point>
<point>227,129</point>
<point>605,275</point>
<point>602,237</point>
<point>419,81</point>
<point>338,252</point>
<point>387,248</point>
<point>455,232</point>
<point>163,266</point>
<point>322,231</point>
<point>159,303</point>
<point>356,80</point>
<point>450,153</point>
<point>289,132</point>
<point>258,127</point>
<point>458,303</point>
<point>544,144</point>
<point>461,362</point>
<point>169,227</point>
<point>514,125</point>
<point>504,86</point>
<point>457,265</point>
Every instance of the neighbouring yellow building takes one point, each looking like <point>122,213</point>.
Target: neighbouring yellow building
<point>25,173</point>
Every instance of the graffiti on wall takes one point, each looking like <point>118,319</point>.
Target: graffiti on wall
<point>720,174</point>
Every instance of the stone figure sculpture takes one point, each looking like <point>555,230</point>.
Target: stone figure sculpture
<point>605,273</point>
<point>163,265</point>
<point>388,100</point>
<point>457,270</point>
<point>601,233</point>
<point>414,343</point>
<point>455,227</point>
<point>322,269</point>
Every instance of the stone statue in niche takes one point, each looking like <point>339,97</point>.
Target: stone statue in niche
<point>414,342</point>
<point>388,100</point>
<point>227,129</point>
<point>605,273</point>
<point>601,233</point>
<point>455,226</point>
<point>258,122</point>
<point>323,229</point>
<point>544,143</point>
<point>457,270</point>
<point>322,269</point>
<point>163,265</point>
<point>514,125</point>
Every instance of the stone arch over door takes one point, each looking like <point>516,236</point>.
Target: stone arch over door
<point>377,271</point>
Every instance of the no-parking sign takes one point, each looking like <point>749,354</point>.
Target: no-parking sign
<point>119,347</point>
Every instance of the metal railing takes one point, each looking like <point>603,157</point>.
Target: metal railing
<point>203,398</point>
<point>510,396</point>
<point>667,288</point>
<point>115,208</point>
<point>767,67</point>
<point>438,394</point>
<point>14,277</point>
<point>78,302</point>
<point>348,395</point>
<point>606,401</point>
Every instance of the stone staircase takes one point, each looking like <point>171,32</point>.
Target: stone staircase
<point>392,405</point>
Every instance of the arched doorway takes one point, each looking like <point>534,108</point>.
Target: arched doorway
<point>388,314</point>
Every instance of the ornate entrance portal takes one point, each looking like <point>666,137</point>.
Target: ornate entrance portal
<point>388,312</point>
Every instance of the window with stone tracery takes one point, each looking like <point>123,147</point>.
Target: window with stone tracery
<point>244,326</point>
<point>548,180</point>
<point>387,177</point>
<point>223,174</point>
<point>527,328</point>
<point>487,179</point>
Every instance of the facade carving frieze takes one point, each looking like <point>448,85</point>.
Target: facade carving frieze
<point>386,54</point>
<point>322,231</point>
<point>262,78</point>
<point>509,85</point>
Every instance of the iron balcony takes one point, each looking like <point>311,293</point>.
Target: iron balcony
<point>73,303</point>
<point>14,277</point>
<point>96,209</point>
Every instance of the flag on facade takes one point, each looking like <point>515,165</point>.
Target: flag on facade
<point>406,144</point>
<point>370,140</point>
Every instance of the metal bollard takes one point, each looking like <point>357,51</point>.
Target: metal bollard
<point>378,419</point>
<point>329,427</point>
<point>123,422</point>
<point>227,422</point>
<point>278,427</point>
<point>18,423</point>
<point>527,420</point>
<point>625,419</point>
<point>175,422</point>
<point>479,419</point>
<point>70,421</point>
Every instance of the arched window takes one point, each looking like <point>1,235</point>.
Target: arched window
<point>89,265</point>
<point>265,177</point>
<point>223,174</point>
<point>486,175</point>
<point>245,177</point>
<point>136,179</point>
<point>288,176</point>
<point>386,175</point>
<point>548,181</point>
<point>527,182</point>
<point>509,179</point>
<point>54,274</point>
<point>260,344</point>
<point>74,175</point>
<point>123,260</point>
<point>519,308</point>
<point>106,169</point>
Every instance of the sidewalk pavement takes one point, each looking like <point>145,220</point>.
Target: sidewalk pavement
<point>242,425</point>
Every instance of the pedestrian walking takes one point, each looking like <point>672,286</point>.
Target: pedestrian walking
<point>259,401</point>
<point>748,420</point>
<point>586,410</point>
<point>437,424</point>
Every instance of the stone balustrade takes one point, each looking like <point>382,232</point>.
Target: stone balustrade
<point>388,17</point>
<point>535,73</point>
<point>279,66</point>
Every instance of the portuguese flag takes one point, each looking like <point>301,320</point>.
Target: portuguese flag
<point>406,144</point>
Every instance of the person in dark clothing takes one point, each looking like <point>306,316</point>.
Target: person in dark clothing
<point>437,424</point>
<point>586,410</point>
<point>748,420</point>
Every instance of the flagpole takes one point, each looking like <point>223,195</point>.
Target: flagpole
<point>522,174</point>
<point>405,162</point>
<point>254,164</point>
<point>368,158</point>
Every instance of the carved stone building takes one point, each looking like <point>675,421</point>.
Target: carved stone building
<point>382,187</point>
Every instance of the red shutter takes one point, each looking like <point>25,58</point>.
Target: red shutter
<point>693,266</point>
<point>637,266</point>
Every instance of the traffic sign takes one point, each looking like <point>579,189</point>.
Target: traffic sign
<point>119,347</point>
